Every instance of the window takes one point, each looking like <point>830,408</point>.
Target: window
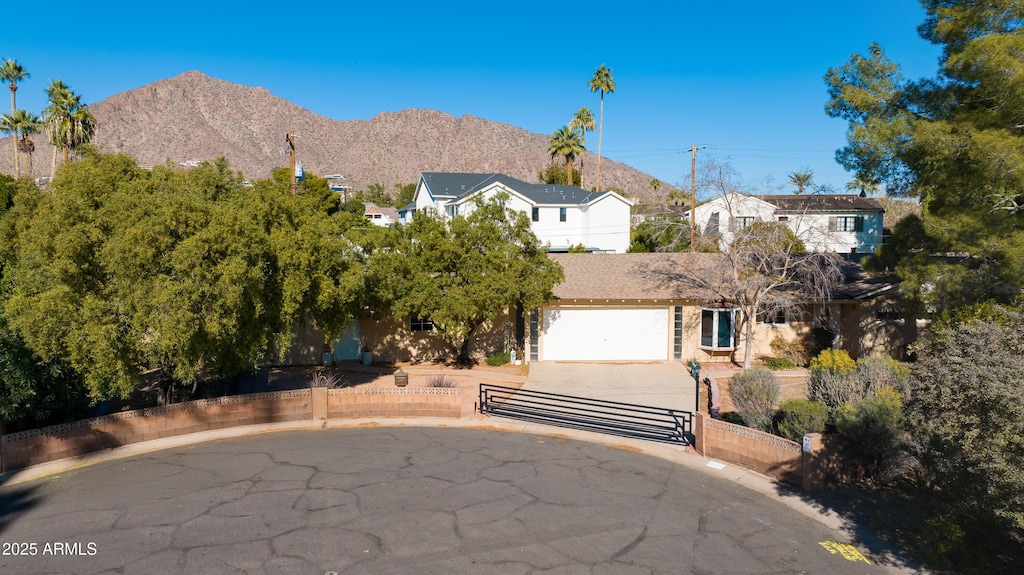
<point>742,222</point>
<point>416,323</point>
<point>846,224</point>
<point>776,317</point>
<point>716,328</point>
<point>677,335</point>
<point>783,219</point>
<point>889,314</point>
<point>712,224</point>
<point>561,214</point>
<point>535,214</point>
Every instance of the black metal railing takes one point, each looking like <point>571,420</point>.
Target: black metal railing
<point>613,417</point>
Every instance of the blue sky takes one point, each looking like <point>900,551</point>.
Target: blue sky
<point>743,78</point>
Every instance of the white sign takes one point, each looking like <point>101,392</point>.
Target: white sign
<point>807,444</point>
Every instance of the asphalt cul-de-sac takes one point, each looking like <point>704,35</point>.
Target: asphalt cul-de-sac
<point>405,500</point>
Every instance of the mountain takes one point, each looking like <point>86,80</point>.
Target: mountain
<point>196,117</point>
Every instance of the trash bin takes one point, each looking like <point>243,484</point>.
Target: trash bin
<point>367,356</point>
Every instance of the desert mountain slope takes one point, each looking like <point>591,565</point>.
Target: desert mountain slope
<point>195,117</point>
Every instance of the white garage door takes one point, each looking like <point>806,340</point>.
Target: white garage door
<point>605,334</point>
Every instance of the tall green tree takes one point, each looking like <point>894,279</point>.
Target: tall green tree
<point>12,72</point>
<point>968,425</point>
<point>602,82</point>
<point>566,143</point>
<point>119,270</point>
<point>464,271</point>
<point>22,124</point>
<point>801,180</point>
<point>955,141</point>
<point>655,185</point>
<point>583,120</point>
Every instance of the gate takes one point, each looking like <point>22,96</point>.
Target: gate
<point>612,417</point>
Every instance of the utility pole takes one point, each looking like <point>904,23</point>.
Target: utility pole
<point>693,195</point>
<point>290,139</point>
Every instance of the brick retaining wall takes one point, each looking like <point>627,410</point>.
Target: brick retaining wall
<point>36,446</point>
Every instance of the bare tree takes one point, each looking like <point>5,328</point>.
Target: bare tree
<point>764,269</point>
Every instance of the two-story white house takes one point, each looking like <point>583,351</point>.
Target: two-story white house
<point>561,216</point>
<point>840,223</point>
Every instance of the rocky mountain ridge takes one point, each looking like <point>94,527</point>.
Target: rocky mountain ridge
<point>193,117</point>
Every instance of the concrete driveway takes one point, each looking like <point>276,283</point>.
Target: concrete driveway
<point>665,384</point>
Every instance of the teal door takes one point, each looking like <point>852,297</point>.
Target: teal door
<point>346,348</point>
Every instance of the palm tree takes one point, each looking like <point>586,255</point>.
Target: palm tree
<point>801,180</point>
<point>676,197</point>
<point>69,123</point>
<point>13,72</point>
<point>601,82</point>
<point>865,185</point>
<point>24,124</point>
<point>583,120</point>
<point>565,142</point>
<point>654,185</point>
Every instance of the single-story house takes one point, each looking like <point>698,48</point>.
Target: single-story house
<point>561,216</point>
<point>839,223</point>
<point>635,307</point>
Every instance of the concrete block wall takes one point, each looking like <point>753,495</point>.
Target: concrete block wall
<point>358,403</point>
<point>750,448</point>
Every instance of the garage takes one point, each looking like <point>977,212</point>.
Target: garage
<point>605,334</point>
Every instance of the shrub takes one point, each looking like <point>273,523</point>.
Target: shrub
<point>754,392</point>
<point>878,371</point>
<point>798,417</point>
<point>440,380</point>
<point>733,417</point>
<point>322,379</point>
<point>775,363</point>
<point>871,431</point>
<point>831,382</point>
<point>796,350</point>
<point>500,358</point>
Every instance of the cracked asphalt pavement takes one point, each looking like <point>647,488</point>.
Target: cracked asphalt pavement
<point>405,500</point>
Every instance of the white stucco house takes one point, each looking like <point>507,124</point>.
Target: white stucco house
<point>382,216</point>
<point>840,223</point>
<point>561,216</point>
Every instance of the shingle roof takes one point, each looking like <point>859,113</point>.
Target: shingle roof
<point>823,203</point>
<point>459,185</point>
<point>657,276</point>
<point>641,276</point>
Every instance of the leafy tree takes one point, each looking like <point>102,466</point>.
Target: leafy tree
<point>404,194</point>
<point>602,82</point>
<point>12,72</point>
<point>464,271</point>
<point>374,193</point>
<point>801,180</point>
<point>566,143</point>
<point>968,424</point>
<point>955,141</point>
<point>119,270</point>
<point>555,174</point>
<point>662,232</point>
